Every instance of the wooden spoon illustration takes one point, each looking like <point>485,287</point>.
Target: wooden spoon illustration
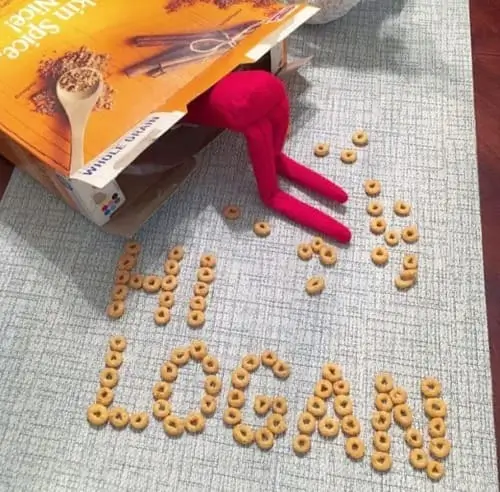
<point>78,91</point>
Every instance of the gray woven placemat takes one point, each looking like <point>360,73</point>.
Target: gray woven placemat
<point>403,72</point>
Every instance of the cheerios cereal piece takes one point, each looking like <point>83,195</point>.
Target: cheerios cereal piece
<point>250,362</point>
<point>262,404</point>
<point>166,299</point>
<point>403,415</point>
<point>115,309</point>
<point>208,260</point>
<point>439,447</point>
<point>264,438</point>
<point>382,462</point>
<point>104,396</point>
<point>418,459</point>
<point>372,187</point>
<point>180,356</point>
<point>113,359</point>
<point>280,405</point>
<point>151,284</point>
<point>119,292</point>
<point>118,343</point>
<point>262,229</point>
<point>341,387</point>
<point>392,237</point>
<point>162,315</point>
<point>136,280</point>
<point>435,407</point>
<point>212,385</point>
<point>398,395</point>
<point>348,156</point>
<point>435,470</point>
<point>243,434</point>
<point>201,289</point>
<point>383,402</point>
<point>430,388</point>
<point>321,149</point>
<point>316,244</point>
<point>410,234</point>
<point>436,427</point>
<point>208,405</point>
<point>406,275</point>
<point>268,358</point>
<point>403,284</point>
<point>316,406</point>
<point>235,398</point>
<point>169,283</point>
<point>169,372</point>
<point>132,248</point>
<point>379,255</point>
<point>210,364</point>
<point>108,377</point>
<point>198,350</point>
<point>378,225</point>
<point>122,277</point>
<point>323,389</point>
<point>197,303</point>
<point>304,251</point>
<point>231,212</point>
<point>171,267</point>
<point>354,448</point>
<point>327,255</point>
<point>414,438</point>
<point>315,285</point>
<point>375,208</point>
<point>162,390</point>
<point>410,262</point>
<point>231,416</point>
<point>360,138</point>
<point>126,262</point>
<point>384,382</point>
<point>331,372</point>
<point>301,444</point>
<point>281,369</point>
<point>328,426</point>
<point>161,409</point>
<point>194,422</point>
<point>342,405</point>
<point>139,421</point>
<point>381,421</point>
<point>195,319</point>
<point>173,425</point>
<point>240,378</point>
<point>176,253</point>
<point>350,425</point>
<point>206,275</point>
<point>276,423</point>
<point>306,423</point>
<point>118,417</point>
<point>402,208</point>
<point>382,441</point>
<point>97,414</point>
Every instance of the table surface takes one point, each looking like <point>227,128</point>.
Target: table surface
<point>485,17</point>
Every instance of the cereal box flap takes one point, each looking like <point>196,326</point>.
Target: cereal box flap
<point>87,85</point>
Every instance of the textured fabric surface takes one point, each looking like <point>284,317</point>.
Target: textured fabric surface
<point>403,72</point>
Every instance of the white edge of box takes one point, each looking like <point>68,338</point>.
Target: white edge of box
<point>106,166</point>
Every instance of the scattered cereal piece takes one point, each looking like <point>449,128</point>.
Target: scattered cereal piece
<point>264,438</point>
<point>379,255</point>
<point>398,395</point>
<point>328,426</point>
<point>435,470</point>
<point>235,398</point>
<point>105,396</point>
<point>306,423</point>
<point>162,390</point>
<point>332,372</point>
<point>118,343</point>
<point>162,315</point>
<point>410,234</point>
<point>122,277</point>
<point>126,262</point>
<point>139,421</point>
<point>350,426</point>
<point>360,138</point>
<point>408,275</point>
<point>392,237</point>
<point>205,275</point>
<point>403,284</point>
<point>210,364</point>
<point>262,404</point>
<point>262,229</point>
<point>194,422</point>
<point>166,299</point>
<point>382,441</point>
<point>97,414</point>
<point>403,415</point>
<point>231,212</point>
<point>240,378</point>
<point>378,225</point>
<point>208,260</point>
<point>161,409</point>
<point>304,251</point>
<point>118,417</point>
<point>383,402</point>
<point>281,369</point>
<point>212,385</point>
<point>108,377</point>
<point>268,358</point>
<point>280,405</point>
<point>418,458</point>
<point>301,444</point>
<point>231,416</point>
<point>276,423</point>
<point>436,427</point>
<point>327,255</point>
<point>172,267</point>
<point>132,248</point>
<point>375,208</point>
<point>115,309</point>
<point>196,318</point>
<point>316,406</point>
<point>381,421</point>
<point>315,285</point>
<point>316,244</point>
<point>169,372</point>
<point>342,405</point>
<point>414,438</point>
<point>341,387</point>
<point>198,350</point>
<point>430,388</point>
<point>321,149</point>
<point>180,356</point>
<point>402,208</point>
<point>197,303</point>
<point>173,425</point>
<point>113,359</point>
<point>323,389</point>
<point>208,405</point>
<point>372,187</point>
<point>168,283</point>
<point>243,434</point>
<point>382,462</point>
<point>410,262</point>
<point>151,284</point>
<point>176,253</point>
<point>384,383</point>
<point>135,281</point>
<point>354,448</point>
<point>250,362</point>
<point>348,156</point>
<point>439,447</point>
<point>435,407</point>
<point>201,289</point>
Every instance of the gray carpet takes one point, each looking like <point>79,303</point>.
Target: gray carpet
<point>403,72</point>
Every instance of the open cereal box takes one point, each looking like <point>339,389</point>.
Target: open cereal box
<point>94,91</point>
